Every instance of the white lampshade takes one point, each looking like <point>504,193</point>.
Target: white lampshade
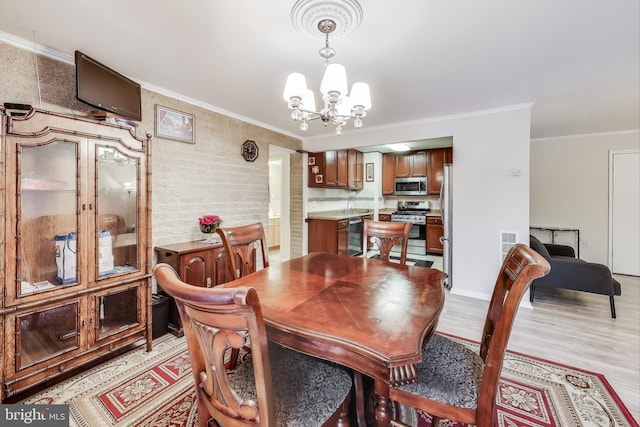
<point>334,80</point>
<point>296,86</point>
<point>360,95</point>
<point>309,101</point>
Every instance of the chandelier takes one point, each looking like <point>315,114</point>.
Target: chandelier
<point>338,106</point>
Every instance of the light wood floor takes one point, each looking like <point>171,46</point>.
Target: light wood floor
<point>569,327</point>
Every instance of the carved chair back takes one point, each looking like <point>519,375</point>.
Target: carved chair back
<point>520,267</point>
<point>385,235</point>
<point>302,390</point>
<point>216,319</point>
<point>242,245</point>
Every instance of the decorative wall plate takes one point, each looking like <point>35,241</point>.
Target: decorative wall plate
<point>250,150</point>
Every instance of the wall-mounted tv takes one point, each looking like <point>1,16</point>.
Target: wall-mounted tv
<point>104,88</point>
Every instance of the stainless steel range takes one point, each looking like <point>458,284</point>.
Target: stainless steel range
<point>416,214</point>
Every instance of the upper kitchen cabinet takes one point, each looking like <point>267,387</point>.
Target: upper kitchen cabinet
<point>411,164</point>
<point>336,169</point>
<point>316,170</point>
<point>435,168</point>
<point>388,173</point>
<point>355,169</point>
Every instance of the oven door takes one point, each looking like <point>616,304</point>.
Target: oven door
<point>417,243</point>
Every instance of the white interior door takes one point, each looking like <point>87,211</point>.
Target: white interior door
<point>624,212</point>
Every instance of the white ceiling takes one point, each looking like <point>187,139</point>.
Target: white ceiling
<point>578,61</point>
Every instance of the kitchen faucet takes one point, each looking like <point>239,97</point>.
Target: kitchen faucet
<point>348,209</point>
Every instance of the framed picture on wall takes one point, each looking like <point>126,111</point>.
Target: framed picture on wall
<point>369,172</point>
<point>173,124</point>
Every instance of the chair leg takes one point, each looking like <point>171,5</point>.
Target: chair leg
<point>233,359</point>
<point>613,307</point>
<point>359,388</point>
<point>532,290</point>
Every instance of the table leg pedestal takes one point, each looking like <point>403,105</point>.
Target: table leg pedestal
<point>382,409</point>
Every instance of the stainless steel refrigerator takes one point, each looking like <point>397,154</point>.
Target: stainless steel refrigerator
<point>446,212</point>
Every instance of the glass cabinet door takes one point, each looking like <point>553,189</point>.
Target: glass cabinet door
<point>117,311</point>
<point>117,213</point>
<point>47,213</point>
<point>47,333</point>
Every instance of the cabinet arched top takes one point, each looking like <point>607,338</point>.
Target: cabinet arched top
<point>48,125</point>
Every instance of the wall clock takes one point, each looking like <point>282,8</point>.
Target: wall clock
<point>249,150</point>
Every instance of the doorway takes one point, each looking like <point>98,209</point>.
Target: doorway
<point>624,212</point>
<point>279,234</point>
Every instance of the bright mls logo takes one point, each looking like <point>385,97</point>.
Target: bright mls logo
<point>34,415</point>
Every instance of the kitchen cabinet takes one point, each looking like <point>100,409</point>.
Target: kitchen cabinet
<point>429,163</point>
<point>355,169</point>
<point>435,231</point>
<point>388,173</point>
<point>316,170</point>
<point>76,282</point>
<point>197,263</point>
<point>435,168</point>
<point>411,164</point>
<point>336,169</point>
<point>328,235</point>
<point>274,233</point>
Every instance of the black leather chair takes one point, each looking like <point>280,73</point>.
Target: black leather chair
<point>569,272</point>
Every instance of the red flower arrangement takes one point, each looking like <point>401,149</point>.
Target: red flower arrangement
<point>209,223</point>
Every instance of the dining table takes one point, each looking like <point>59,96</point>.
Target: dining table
<point>369,315</point>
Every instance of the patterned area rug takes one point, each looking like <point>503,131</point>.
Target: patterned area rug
<point>156,389</point>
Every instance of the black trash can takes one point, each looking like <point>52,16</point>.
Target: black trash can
<point>160,319</point>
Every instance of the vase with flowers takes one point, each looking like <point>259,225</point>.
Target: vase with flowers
<point>208,225</point>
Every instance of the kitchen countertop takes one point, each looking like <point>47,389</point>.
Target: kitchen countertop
<point>339,214</point>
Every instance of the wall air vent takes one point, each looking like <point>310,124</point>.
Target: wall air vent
<point>507,240</point>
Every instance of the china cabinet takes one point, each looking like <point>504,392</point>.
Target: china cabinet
<point>76,282</point>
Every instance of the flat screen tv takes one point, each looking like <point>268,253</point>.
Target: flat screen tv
<point>104,88</point>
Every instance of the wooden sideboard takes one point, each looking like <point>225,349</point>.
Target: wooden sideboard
<point>197,263</point>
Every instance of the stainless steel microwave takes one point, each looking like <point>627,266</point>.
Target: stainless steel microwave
<point>410,186</point>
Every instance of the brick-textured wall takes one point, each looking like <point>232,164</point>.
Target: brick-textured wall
<point>295,204</point>
<point>188,180</point>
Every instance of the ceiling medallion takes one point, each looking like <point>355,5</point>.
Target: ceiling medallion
<point>307,14</point>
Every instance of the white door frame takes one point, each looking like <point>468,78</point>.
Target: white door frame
<point>612,154</point>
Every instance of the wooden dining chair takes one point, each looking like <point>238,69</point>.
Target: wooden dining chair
<point>241,245</point>
<point>274,386</point>
<point>458,384</point>
<point>385,235</point>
